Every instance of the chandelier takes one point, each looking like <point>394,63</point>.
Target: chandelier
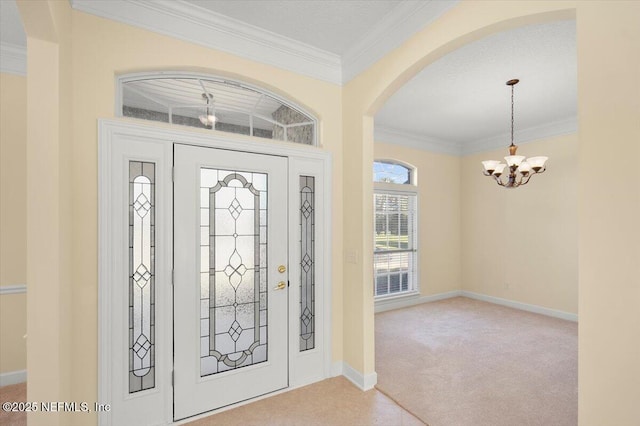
<point>209,118</point>
<point>520,168</point>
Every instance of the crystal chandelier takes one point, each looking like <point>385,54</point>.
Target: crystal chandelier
<point>209,118</point>
<point>520,168</point>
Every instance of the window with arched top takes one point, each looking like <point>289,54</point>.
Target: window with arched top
<point>215,103</point>
<point>387,171</point>
<point>395,252</point>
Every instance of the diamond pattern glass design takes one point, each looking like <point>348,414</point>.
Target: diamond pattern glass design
<point>233,270</point>
<point>307,269</point>
<point>141,276</point>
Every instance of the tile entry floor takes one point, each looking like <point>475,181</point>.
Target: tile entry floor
<point>333,401</point>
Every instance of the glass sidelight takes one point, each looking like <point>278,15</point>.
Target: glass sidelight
<point>307,260</point>
<point>141,276</point>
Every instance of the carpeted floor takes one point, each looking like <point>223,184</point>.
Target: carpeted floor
<point>463,362</point>
<point>13,393</point>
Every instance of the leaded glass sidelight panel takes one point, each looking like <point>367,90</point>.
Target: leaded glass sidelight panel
<point>233,269</point>
<point>141,276</point>
<point>307,262</point>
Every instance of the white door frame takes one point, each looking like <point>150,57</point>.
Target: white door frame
<point>121,140</point>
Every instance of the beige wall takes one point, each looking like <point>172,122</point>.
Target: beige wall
<point>49,216</point>
<point>522,244</point>
<point>439,241</point>
<point>13,326</point>
<point>13,135</point>
<point>608,38</point>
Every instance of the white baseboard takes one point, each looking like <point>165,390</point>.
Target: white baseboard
<point>404,302</point>
<point>522,306</point>
<point>337,369</point>
<point>13,289</point>
<point>364,382</point>
<point>13,377</point>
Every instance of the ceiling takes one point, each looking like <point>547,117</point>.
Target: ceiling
<point>11,30</point>
<point>331,25</point>
<point>462,99</point>
<point>456,105</point>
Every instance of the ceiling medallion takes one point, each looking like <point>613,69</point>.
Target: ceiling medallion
<point>520,168</point>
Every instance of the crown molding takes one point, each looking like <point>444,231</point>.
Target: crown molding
<point>194,24</point>
<point>13,59</point>
<point>522,136</point>
<point>429,143</point>
<point>416,141</point>
<point>405,20</point>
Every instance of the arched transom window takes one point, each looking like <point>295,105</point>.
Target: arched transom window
<point>385,171</point>
<point>214,103</point>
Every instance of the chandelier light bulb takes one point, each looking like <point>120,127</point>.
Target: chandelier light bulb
<point>524,167</point>
<point>490,165</point>
<point>537,163</point>
<point>514,160</point>
<point>499,169</point>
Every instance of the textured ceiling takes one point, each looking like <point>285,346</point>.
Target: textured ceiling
<point>331,25</point>
<point>463,98</point>
<point>11,30</point>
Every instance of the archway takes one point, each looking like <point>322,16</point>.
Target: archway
<point>363,96</point>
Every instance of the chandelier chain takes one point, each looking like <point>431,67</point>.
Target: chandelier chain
<point>512,115</point>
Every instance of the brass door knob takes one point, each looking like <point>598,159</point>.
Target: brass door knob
<point>282,269</point>
<point>281,285</point>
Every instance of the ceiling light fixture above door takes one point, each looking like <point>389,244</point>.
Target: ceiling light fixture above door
<point>209,118</point>
<point>520,168</point>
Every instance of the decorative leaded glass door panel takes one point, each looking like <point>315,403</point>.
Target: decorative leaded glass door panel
<point>230,300</point>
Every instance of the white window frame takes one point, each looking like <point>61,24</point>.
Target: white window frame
<point>409,189</point>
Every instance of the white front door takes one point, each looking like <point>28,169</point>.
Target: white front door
<point>230,299</point>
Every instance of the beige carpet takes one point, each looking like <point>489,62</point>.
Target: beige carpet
<point>462,362</point>
<point>13,393</point>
